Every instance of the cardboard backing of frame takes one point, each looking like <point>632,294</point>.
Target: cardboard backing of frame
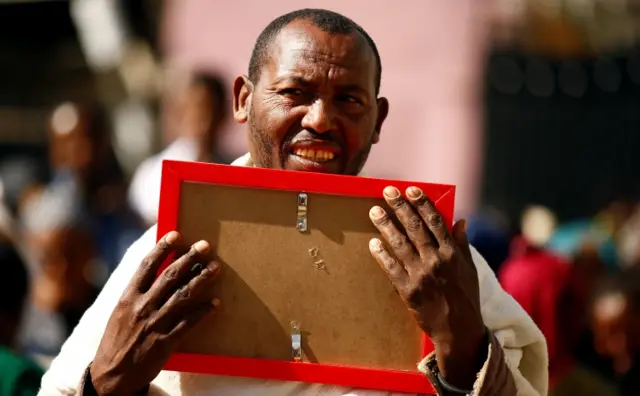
<point>348,311</point>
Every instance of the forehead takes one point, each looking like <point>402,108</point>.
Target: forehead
<point>304,50</point>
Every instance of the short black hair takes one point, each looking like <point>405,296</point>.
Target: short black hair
<point>328,21</point>
<point>15,285</point>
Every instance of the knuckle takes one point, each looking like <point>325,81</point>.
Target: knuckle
<point>191,255</point>
<point>414,224</point>
<point>398,203</point>
<point>423,202</point>
<point>435,220</point>
<point>392,265</point>
<point>139,311</point>
<point>147,263</point>
<point>384,221</point>
<point>162,245</point>
<point>448,255</point>
<point>170,273</point>
<point>184,293</point>
<point>398,242</point>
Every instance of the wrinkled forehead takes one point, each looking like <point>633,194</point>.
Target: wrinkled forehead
<point>304,50</point>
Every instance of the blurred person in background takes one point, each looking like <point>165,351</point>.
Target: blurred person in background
<point>600,232</point>
<point>544,284</point>
<point>18,174</point>
<point>80,152</point>
<point>489,233</point>
<point>59,245</point>
<point>615,324</point>
<point>628,241</point>
<point>18,375</point>
<point>194,109</point>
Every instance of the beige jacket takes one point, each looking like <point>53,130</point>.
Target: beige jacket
<point>516,363</point>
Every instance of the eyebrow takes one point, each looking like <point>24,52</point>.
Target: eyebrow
<point>305,82</point>
<point>292,78</point>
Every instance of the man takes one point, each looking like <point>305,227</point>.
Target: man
<point>61,251</point>
<point>615,323</point>
<point>81,152</point>
<point>311,103</point>
<point>194,110</point>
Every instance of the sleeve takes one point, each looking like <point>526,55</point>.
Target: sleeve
<point>494,377</point>
<point>68,369</point>
<point>517,362</point>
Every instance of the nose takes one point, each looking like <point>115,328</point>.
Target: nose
<point>320,117</point>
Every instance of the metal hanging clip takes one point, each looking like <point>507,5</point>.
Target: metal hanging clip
<point>302,222</point>
<point>296,341</point>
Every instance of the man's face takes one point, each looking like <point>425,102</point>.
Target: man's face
<point>314,107</point>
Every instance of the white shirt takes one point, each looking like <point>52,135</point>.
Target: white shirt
<point>144,191</point>
<point>523,343</point>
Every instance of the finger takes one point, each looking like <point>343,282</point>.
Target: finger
<point>401,246</point>
<point>390,265</point>
<point>199,290</point>
<point>412,223</point>
<point>146,273</point>
<point>431,216</point>
<point>193,318</point>
<point>179,272</point>
<point>460,237</point>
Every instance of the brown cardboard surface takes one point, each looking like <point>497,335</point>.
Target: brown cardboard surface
<point>348,311</point>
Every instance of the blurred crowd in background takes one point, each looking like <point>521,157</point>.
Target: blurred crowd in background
<point>531,107</point>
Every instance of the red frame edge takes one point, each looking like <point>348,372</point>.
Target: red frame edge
<point>176,172</point>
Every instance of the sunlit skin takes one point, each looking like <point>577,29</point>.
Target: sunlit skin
<point>317,92</point>
<point>314,107</point>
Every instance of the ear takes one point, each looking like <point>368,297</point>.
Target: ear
<point>383,111</point>
<point>242,91</point>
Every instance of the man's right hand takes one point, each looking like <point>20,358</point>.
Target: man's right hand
<point>151,317</point>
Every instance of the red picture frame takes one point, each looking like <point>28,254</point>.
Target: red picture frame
<point>174,173</point>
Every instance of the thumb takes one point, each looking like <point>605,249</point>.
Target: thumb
<point>460,236</point>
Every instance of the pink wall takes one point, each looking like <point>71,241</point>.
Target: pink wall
<point>432,52</point>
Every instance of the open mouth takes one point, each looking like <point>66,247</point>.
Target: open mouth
<point>317,155</point>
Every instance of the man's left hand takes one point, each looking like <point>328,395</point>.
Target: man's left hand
<point>434,273</point>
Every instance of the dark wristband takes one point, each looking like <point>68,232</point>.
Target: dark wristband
<point>88,389</point>
<point>450,388</point>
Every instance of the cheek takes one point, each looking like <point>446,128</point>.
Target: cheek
<point>358,138</point>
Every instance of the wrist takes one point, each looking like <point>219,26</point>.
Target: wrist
<point>460,358</point>
<point>103,386</point>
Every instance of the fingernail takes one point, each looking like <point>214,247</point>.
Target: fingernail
<point>464,225</point>
<point>414,192</point>
<point>172,237</point>
<point>375,245</point>
<point>216,302</point>
<point>376,212</point>
<point>391,192</point>
<point>214,267</point>
<point>201,246</point>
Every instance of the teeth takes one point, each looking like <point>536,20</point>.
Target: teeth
<point>316,155</point>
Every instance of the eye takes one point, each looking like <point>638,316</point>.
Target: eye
<point>291,92</point>
<point>349,99</point>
